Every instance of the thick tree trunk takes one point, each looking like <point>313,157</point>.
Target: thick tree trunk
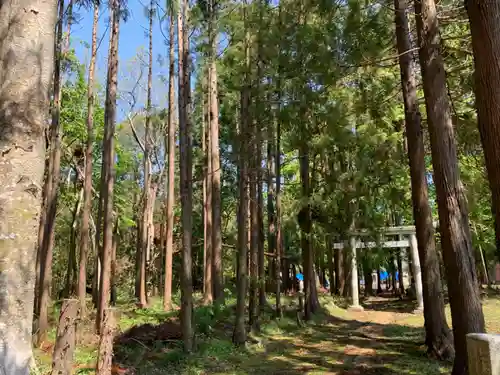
<point>108,162</point>
<point>26,26</point>
<point>466,310</point>
<point>167,292</point>
<point>65,345</point>
<point>483,17</point>
<point>105,354</point>
<point>51,190</point>
<point>87,184</point>
<point>438,335</point>
<point>186,188</point>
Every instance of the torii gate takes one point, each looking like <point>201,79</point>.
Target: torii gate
<point>409,242</point>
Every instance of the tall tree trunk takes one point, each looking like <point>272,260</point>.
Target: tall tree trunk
<point>485,34</point>
<point>240,333</point>
<point>25,102</point>
<point>87,184</point>
<point>51,189</point>
<point>277,164</point>
<point>209,268</point>
<point>466,310</point>
<point>186,187</point>
<point>108,163</point>
<point>271,217</point>
<point>167,292</point>
<point>259,118</point>
<point>147,198</point>
<point>438,336</point>
<point>311,302</point>
<point>278,237</point>
<point>218,286</point>
<point>254,239</point>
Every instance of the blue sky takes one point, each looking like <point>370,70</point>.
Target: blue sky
<point>133,39</point>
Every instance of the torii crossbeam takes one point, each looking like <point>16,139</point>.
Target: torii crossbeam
<point>409,242</point>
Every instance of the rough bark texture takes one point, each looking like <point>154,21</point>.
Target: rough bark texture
<point>240,333</point>
<point>485,33</point>
<point>105,354</point>
<point>108,162</point>
<point>27,51</point>
<point>169,251</point>
<point>64,348</point>
<point>218,285</point>
<point>51,191</point>
<point>458,256</point>
<point>438,335</point>
<point>186,186</point>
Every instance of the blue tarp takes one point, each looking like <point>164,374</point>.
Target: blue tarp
<point>300,277</point>
<point>384,275</point>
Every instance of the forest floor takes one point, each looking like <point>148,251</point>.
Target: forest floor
<point>386,338</point>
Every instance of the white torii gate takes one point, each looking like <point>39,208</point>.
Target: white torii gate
<point>410,241</point>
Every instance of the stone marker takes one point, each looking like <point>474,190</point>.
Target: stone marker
<point>484,353</point>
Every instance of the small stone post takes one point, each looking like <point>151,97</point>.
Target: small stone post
<point>417,273</point>
<point>105,357</point>
<point>483,351</point>
<point>64,348</point>
<point>354,277</point>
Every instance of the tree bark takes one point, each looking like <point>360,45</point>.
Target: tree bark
<point>147,197</point>
<point>51,190</point>
<point>108,162</point>
<point>456,243</point>
<point>70,285</point>
<point>218,286</point>
<point>339,272</point>
<point>438,335</point>
<point>209,267</point>
<point>26,52</point>
<point>65,345</point>
<point>271,217</point>
<point>485,35</point>
<point>167,292</point>
<point>87,184</point>
<point>254,228</point>
<point>105,356</point>
<point>186,187</point>
<point>240,333</point>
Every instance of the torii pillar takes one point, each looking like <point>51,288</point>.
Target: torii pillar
<point>354,277</point>
<point>417,273</point>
